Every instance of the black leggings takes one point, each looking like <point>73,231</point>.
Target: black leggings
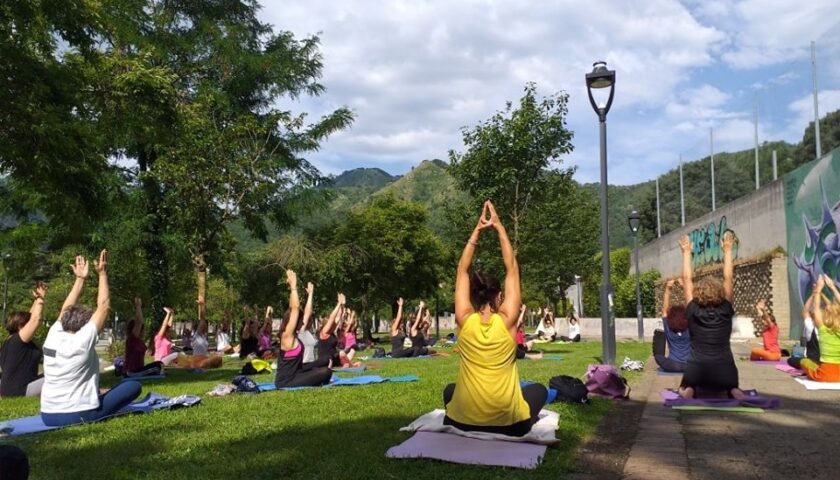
<point>309,378</point>
<point>521,350</point>
<point>535,396</point>
<point>318,362</point>
<point>812,351</point>
<point>665,363</point>
<point>576,338</point>
<point>154,368</point>
<point>402,353</point>
<point>711,377</point>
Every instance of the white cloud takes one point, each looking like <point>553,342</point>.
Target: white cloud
<point>416,72</point>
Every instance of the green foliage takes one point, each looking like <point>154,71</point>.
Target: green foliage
<point>507,157</point>
<point>363,177</point>
<point>829,137</point>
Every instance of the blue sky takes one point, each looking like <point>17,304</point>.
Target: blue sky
<point>415,72</point>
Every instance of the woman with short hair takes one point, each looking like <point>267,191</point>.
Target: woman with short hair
<point>20,355</point>
<point>71,365</point>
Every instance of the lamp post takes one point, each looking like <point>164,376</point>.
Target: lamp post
<point>579,295</point>
<point>3,258</point>
<point>634,221</point>
<point>601,78</point>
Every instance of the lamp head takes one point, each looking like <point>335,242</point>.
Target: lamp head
<point>600,78</point>
<point>634,221</point>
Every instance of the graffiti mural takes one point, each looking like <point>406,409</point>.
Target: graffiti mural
<point>812,215</point>
<point>705,243</point>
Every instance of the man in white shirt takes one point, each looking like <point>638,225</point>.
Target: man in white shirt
<point>71,365</point>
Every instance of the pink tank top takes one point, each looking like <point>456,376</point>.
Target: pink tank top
<point>293,352</point>
<point>349,339</point>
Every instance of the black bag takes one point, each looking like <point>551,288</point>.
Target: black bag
<point>379,353</point>
<point>245,385</point>
<point>569,389</point>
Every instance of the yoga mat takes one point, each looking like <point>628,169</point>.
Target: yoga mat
<point>470,451</point>
<point>770,362</point>
<point>553,356</point>
<point>152,401</point>
<point>352,381</point>
<point>663,373</point>
<point>351,369</point>
<point>696,408</point>
<point>673,399</point>
<point>542,432</point>
<point>790,370</point>
<point>812,385</point>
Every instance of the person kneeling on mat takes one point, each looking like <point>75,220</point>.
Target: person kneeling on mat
<point>290,366</point>
<point>711,368</point>
<point>135,347</point>
<point>398,349</point>
<point>71,366</point>
<point>487,396</point>
<point>675,333</point>
<point>827,322</point>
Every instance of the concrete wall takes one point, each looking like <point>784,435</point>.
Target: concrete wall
<point>757,219</point>
<point>626,328</point>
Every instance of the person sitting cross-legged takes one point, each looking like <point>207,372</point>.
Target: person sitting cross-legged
<point>487,395</point>
<point>71,365</point>
<point>674,333</point>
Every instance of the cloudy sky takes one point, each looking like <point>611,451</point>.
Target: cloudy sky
<point>416,72</point>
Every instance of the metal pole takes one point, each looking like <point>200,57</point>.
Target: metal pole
<point>607,325</point>
<point>682,195</point>
<point>437,316</point>
<point>775,167</point>
<point>640,322</point>
<point>816,102</point>
<point>712,156</point>
<point>755,125</point>
<point>579,296</point>
<point>658,218</point>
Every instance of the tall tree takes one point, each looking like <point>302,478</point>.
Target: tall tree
<point>507,156</point>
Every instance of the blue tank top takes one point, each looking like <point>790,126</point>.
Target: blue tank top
<point>679,344</point>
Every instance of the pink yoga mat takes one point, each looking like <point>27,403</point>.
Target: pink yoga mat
<point>770,362</point>
<point>790,370</point>
<point>457,449</point>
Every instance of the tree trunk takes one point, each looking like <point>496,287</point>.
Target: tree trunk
<point>152,240</point>
<point>201,283</point>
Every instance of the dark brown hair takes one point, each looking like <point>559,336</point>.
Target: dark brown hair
<point>676,318</point>
<point>16,320</point>
<point>484,290</point>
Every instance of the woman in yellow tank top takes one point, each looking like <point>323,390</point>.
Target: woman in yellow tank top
<point>487,396</point>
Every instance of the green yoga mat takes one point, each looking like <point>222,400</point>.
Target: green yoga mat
<point>697,408</point>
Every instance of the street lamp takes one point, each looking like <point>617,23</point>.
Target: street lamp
<point>634,221</point>
<point>579,295</point>
<point>601,78</point>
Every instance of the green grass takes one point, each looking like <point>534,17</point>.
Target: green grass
<point>316,433</point>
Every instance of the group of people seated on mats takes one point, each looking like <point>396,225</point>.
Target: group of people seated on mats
<point>418,332</point>
<point>547,332</point>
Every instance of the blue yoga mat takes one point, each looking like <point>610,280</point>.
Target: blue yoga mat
<point>352,381</point>
<point>152,402</point>
<point>399,358</point>
<point>659,371</point>
<point>352,369</point>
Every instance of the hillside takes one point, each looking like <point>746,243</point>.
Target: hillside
<point>363,177</point>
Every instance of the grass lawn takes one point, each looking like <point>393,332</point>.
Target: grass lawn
<point>317,433</point>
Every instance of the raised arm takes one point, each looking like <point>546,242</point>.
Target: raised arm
<point>761,311</point>
<point>513,293</point>
<point>395,323</point>
<point>288,340</point>
<point>728,267</point>
<point>835,294</point>
<point>269,315</point>
<point>417,318</point>
<point>521,319</point>
<point>327,329</point>
<point>463,305</point>
<point>137,328</point>
<point>818,302</point>
<point>80,270</point>
<point>103,295</point>
<point>307,310</point>
<point>666,298</point>
<point>809,304</point>
<point>688,281</point>
<point>167,322</point>
<point>27,332</point>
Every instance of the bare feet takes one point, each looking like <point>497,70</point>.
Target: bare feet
<point>686,392</point>
<point>738,394</point>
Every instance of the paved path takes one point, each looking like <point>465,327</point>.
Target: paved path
<point>798,441</point>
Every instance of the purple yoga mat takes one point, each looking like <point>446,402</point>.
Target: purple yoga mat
<point>672,399</point>
<point>456,449</point>
<point>795,372</point>
<point>770,362</point>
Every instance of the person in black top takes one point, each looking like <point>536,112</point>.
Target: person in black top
<point>19,355</point>
<point>397,335</point>
<point>327,341</point>
<point>290,366</point>
<point>711,367</point>
<point>418,340</point>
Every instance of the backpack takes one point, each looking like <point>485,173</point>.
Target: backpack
<point>605,381</point>
<point>255,366</point>
<point>379,353</point>
<point>245,384</point>
<point>569,389</point>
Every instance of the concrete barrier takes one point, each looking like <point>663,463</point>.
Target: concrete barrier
<point>626,328</point>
